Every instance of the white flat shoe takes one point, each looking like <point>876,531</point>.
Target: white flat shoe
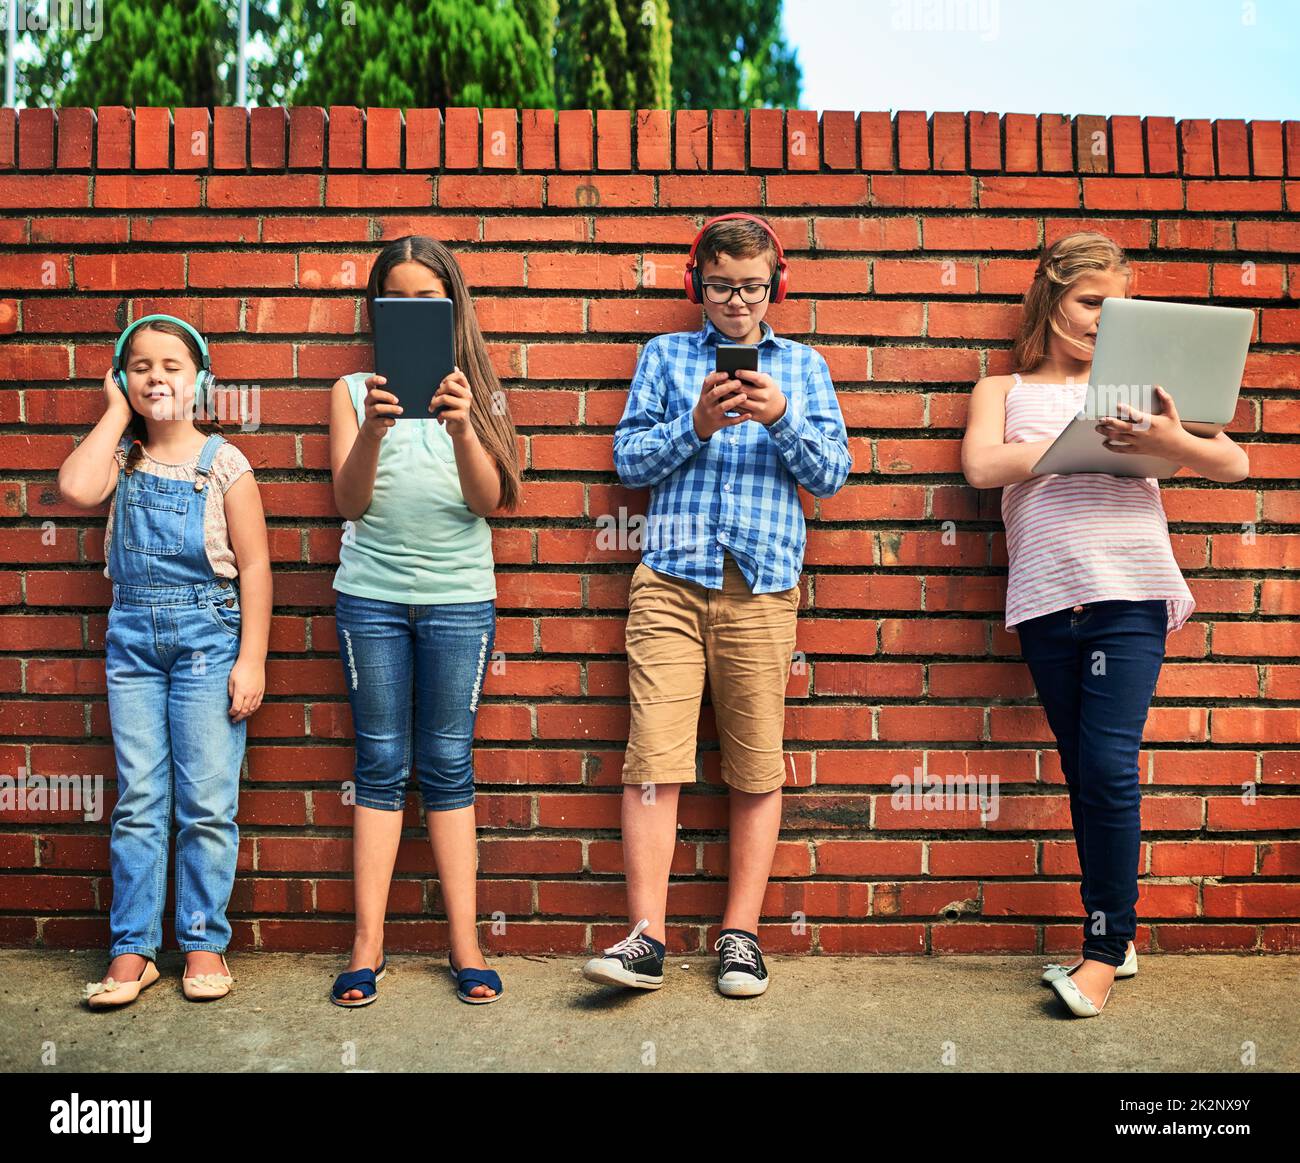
<point>1080,1005</point>
<point>1053,971</point>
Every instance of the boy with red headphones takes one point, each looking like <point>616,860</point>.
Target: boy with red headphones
<point>717,589</point>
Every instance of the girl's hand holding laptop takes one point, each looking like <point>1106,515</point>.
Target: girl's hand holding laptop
<point>1147,433</point>
<point>1162,434</point>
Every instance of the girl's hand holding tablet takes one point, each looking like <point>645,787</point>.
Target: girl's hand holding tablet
<point>382,407</point>
<point>452,401</point>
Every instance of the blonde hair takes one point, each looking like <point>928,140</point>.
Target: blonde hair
<point>1060,266</point>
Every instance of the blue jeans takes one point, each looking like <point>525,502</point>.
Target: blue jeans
<point>414,674</point>
<point>169,651</point>
<point>1096,670</point>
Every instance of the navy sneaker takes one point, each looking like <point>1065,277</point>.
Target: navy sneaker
<point>741,972</point>
<point>636,962</point>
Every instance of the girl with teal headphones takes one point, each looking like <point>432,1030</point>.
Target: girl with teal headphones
<point>186,551</point>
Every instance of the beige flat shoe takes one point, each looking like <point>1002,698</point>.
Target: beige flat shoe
<point>208,986</point>
<point>110,993</point>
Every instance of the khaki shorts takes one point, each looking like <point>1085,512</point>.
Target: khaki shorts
<point>675,630</point>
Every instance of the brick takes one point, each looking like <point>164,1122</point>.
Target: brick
<point>346,137</point>
<point>191,139</point>
<point>268,130</point>
<point>307,137</point>
<point>653,148</point>
<point>76,138</point>
<point>690,139</point>
<point>913,140</point>
<point>985,141</point>
<point>113,135</point>
<point>36,138</point>
<point>766,139</point>
<point>423,139</point>
<point>613,139</point>
<point>383,139</point>
<point>876,141</point>
<point>728,139</point>
<point>229,138</point>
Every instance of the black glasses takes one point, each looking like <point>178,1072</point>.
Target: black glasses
<point>749,293</point>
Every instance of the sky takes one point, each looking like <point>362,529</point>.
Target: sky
<point>1171,58</point>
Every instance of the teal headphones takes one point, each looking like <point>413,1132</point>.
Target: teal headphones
<point>204,384</point>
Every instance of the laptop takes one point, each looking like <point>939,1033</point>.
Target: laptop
<point>1196,353</point>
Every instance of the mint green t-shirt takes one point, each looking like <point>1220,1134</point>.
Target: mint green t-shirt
<point>418,542</point>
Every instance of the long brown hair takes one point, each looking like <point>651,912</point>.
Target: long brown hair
<point>489,413</point>
<point>1060,266</point>
<point>138,428</point>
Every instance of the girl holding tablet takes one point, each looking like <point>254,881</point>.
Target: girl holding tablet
<point>1092,587</point>
<point>416,609</point>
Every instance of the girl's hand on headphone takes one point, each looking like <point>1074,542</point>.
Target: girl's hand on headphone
<point>116,403</point>
<point>381,407</point>
<point>452,403</point>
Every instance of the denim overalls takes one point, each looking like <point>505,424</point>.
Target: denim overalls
<point>173,636</point>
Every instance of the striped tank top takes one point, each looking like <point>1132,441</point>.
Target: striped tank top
<point>1081,537</point>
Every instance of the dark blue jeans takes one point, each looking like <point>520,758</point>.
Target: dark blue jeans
<point>441,652</point>
<point>1095,668</point>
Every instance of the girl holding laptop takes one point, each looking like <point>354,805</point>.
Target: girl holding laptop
<point>1093,588</point>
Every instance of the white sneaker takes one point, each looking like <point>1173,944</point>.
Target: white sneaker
<point>1053,972</point>
<point>632,962</point>
<point>741,972</point>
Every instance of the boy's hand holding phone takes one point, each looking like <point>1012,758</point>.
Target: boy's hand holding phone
<point>763,400</point>
<point>382,408</point>
<point>452,401</point>
<point>720,393</point>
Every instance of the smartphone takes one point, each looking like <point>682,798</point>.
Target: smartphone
<point>415,350</point>
<point>734,357</point>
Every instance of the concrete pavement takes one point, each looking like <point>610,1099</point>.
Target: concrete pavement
<point>1181,1013</point>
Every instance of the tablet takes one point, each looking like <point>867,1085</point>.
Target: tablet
<point>414,350</point>
<point>1196,353</point>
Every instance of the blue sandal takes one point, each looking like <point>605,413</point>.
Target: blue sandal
<point>467,979</point>
<point>363,980</point>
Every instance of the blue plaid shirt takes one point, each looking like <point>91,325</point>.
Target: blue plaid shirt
<point>735,492</point>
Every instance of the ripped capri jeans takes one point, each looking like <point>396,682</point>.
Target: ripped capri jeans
<point>414,675</point>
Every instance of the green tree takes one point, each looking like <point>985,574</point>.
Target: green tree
<point>614,54</point>
<point>583,54</point>
<point>150,52</point>
<point>283,35</point>
<point>431,53</point>
<point>731,54</point>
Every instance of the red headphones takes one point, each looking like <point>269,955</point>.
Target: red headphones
<point>780,280</point>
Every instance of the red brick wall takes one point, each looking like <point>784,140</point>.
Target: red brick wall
<point>911,240</point>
